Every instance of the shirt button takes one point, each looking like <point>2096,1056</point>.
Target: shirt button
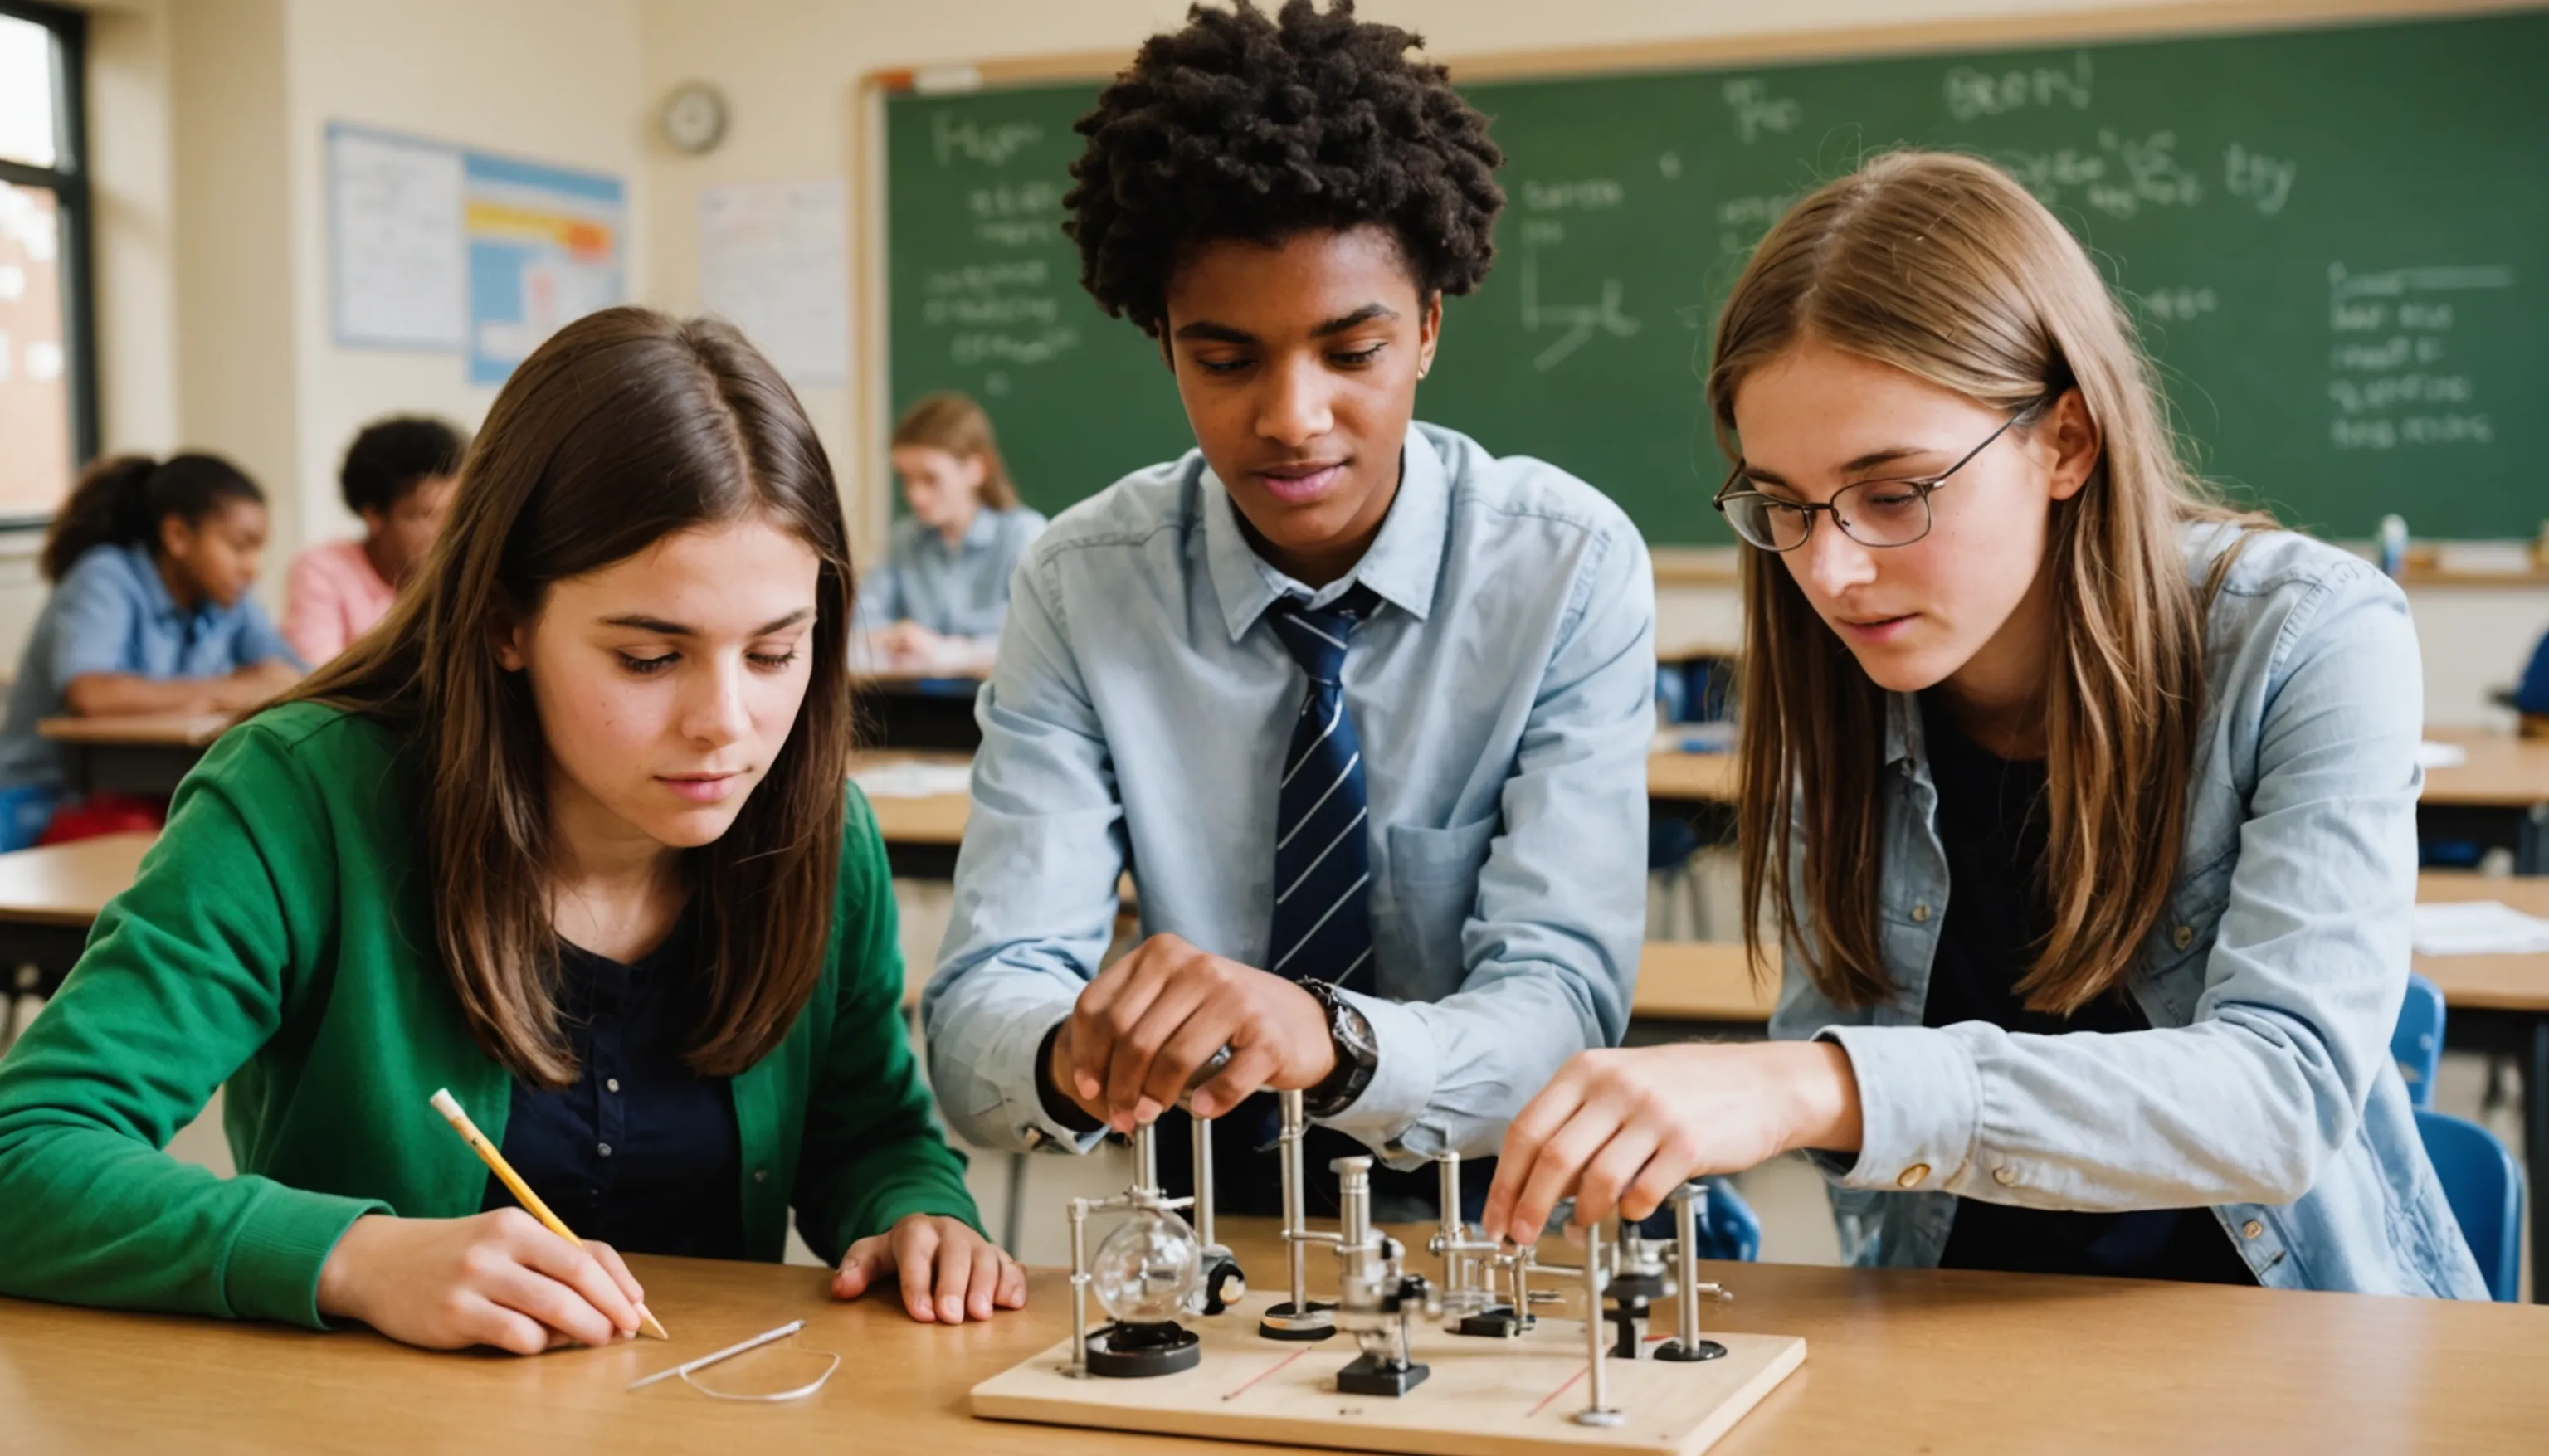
<point>1912,1175</point>
<point>2184,936</point>
<point>2252,1229</point>
<point>604,1149</point>
<point>1921,913</point>
<point>2005,1177</point>
<point>612,1084</point>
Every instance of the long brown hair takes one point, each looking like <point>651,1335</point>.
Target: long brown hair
<point>1947,268</point>
<point>953,423</point>
<point>624,427</point>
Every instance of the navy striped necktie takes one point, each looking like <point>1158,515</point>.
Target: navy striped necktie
<point>1322,849</point>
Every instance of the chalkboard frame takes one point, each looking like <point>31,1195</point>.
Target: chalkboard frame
<point>1684,565</point>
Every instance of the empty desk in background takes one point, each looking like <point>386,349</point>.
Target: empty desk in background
<point>49,898</point>
<point>2499,795</point>
<point>921,833</point>
<point>2500,1004</point>
<point>135,753</point>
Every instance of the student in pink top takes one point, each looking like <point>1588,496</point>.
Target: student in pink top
<point>398,476</point>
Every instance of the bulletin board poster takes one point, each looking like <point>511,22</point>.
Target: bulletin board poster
<point>547,246</point>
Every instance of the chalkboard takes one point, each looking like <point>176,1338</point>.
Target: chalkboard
<point>2335,240</point>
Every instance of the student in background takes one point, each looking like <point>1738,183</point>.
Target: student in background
<point>2086,811</point>
<point>944,588</point>
<point>152,561</point>
<point>2531,695</point>
<point>567,835</point>
<point>398,476</point>
<point>1364,706</point>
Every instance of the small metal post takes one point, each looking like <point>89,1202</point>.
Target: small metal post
<point>1687,1201</point>
<point>1598,1410</point>
<point>1203,1190</point>
<point>1079,1367</point>
<point>1296,1254</point>
<point>1145,1160</point>
<point>1454,1230</point>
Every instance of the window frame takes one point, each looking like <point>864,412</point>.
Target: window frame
<point>68,182</point>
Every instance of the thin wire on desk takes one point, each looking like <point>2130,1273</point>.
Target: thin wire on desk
<point>683,1370</point>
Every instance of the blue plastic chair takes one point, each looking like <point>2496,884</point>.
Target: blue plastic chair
<point>2418,1044</point>
<point>2484,1186</point>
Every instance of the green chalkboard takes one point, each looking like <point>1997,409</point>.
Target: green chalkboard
<point>2335,240</point>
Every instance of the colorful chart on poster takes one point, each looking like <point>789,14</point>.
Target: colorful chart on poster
<point>547,246</point>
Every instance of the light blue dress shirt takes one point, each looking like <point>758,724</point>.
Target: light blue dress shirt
<point>958,590</point>
<point>2264,1088</point>
<point>112,613</point>
<point>1138,715</point>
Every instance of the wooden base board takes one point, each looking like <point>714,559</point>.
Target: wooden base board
<point>1484,1397</point>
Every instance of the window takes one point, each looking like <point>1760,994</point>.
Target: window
<point>48,370</point>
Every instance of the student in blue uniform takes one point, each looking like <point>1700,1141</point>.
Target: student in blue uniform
<point>944,588</point>
<point>2085,809</point>
<point>1363,707</point>
<point>152,563</point>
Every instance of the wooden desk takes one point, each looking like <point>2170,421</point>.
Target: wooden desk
<point>1704,983</point>
<point>49,897</point>
<point>921,835</point>
<point>135,753</point>
<point>2500,1004</point>
<point>1691,777</point>
<point>1899,1360</point>
<point>2505,779</point>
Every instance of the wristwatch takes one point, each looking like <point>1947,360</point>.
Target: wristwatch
<point>1357,1054</point>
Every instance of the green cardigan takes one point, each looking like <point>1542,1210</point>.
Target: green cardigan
<point>278,942</point>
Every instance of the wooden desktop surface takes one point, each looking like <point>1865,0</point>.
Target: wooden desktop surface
<point>1898,1360</point>
<point>69,884</point>
<point>139,730</point>
<point>929,819</point>
<point>2503,771</point>
<point>2489,982</point>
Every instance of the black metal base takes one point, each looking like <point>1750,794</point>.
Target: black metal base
<point>1137,1351</point>
<point>1369,1377</point>
<point>1305,1333</point>
<point>1223,1284</point>
<point>1497,1324</point>
<point>1674,1350</point>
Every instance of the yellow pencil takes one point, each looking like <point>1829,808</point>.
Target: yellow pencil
<point>449,1106</point>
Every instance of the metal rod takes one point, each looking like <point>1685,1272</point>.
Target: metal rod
<point>1687,1201</point>
<point>1079,1289</point>
<point>1146,1157</point>
<point>1447,1192</point>
<point>728,1353</point>
<point>1295,1252</point>
<point>1204,1189</point>
<point>1598,1410</point>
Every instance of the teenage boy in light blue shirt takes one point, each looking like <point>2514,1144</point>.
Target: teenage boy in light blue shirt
<point>1364,709</point>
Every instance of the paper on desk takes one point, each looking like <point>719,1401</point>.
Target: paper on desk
<point>2432,755</point>
<point>2478,927</point>
<point>914,781</point>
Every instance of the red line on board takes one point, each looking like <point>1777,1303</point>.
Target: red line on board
<point>1579,1374</point>
<point>1269,1370</point>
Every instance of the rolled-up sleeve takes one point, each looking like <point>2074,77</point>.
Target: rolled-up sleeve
<point>1035,883</point>
<point>1551,946</point>
<point>2301,986</point>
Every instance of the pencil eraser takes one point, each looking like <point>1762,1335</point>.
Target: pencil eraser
<point>444,1104</point>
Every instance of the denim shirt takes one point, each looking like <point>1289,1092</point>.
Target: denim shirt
<point>2264,1088</point>
<point>1139,712</point>
<point>958,590</point>
<point>112,613</point>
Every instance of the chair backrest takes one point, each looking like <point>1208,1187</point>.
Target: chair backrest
<point>2485,1189</point>
<point>2418,1044</point>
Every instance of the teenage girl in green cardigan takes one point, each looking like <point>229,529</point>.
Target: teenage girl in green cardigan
<point>568,835</point>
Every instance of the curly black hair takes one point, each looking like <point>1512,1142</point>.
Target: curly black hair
<point>391,457</point>
<point>1248,127</point>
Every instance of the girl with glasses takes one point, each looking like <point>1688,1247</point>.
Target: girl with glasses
<point>2083,810</point>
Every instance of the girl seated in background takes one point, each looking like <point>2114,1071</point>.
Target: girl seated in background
<point>152,561</point>
<point>938,600</point>
<point>398,476</point>
<point>568,835</point>
<point>2085,810</point>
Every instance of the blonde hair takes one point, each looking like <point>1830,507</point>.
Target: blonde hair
<point>1945,268</point>
<point>953,423</point>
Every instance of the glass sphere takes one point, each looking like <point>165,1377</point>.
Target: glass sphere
<point>1147,1268</point>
